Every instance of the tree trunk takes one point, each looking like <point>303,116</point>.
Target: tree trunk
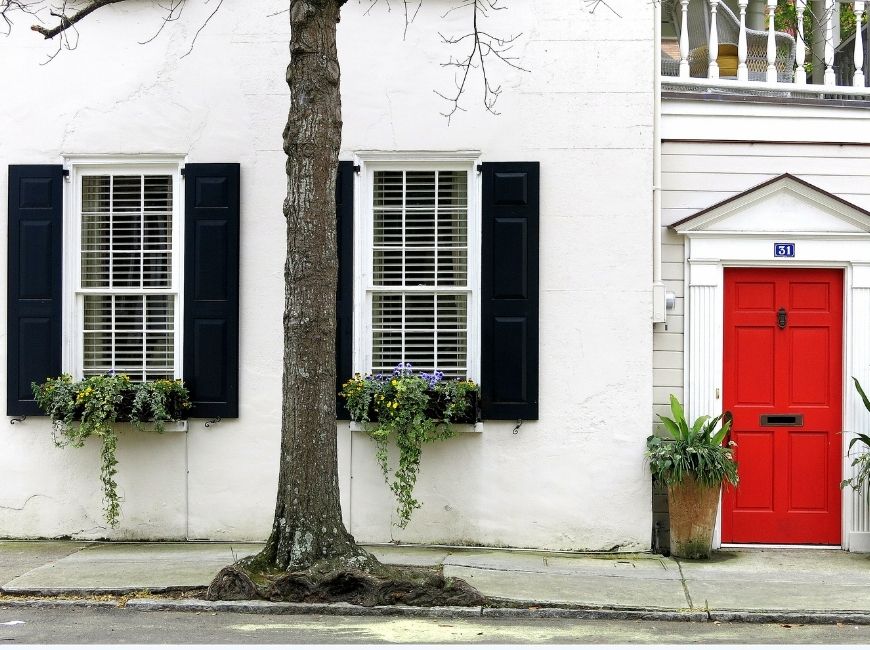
<point>308,527</point>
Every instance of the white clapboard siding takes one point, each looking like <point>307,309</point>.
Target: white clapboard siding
<point>696,175</point>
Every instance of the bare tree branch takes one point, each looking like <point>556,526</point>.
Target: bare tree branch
<point>202,27</point>
<point>171,16</point>
<point>484,47</point>
<point>9,7</point>
<point>592,5</point>
<point>68,21</point>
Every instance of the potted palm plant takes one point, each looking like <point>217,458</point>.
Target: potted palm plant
<point>861,460</point>
<point>693,463</point>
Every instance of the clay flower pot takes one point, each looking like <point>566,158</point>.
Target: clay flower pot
<point>692,507</point>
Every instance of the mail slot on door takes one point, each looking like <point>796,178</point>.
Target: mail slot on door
<point>782,420</point>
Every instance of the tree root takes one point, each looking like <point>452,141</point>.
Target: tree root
<point>391,585</point>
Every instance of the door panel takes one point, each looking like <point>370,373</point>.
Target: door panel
<point>756,487</point>
<point>754,362</point>
<point>783,357</point>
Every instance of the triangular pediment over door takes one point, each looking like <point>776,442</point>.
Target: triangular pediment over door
<point>785,204</point>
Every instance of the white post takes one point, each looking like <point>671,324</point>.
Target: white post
<point>858,78</point>
<point>684,39</point>
<point>713,45</point>
<point>771,42</point>
<point>830,7</point>
<point>742,70</point>
<point>800,75</point>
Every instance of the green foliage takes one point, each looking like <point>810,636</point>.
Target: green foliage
<point>862,461</point>
<point>412,409</point>
<point>92,406</point>
<point>695,450</point>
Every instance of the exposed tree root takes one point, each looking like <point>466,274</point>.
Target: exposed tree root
<point>386,585</point>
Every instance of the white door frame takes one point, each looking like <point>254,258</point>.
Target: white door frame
<point>707,255</point>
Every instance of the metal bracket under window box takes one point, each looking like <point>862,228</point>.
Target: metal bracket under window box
<point>477,427</point>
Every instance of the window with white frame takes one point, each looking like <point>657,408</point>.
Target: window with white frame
<point>420,255</point>
<point>126,267</point>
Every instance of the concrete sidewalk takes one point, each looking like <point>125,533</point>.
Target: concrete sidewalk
<point>748,585</point>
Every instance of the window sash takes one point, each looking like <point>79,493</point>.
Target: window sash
<point>456,344</point>
<point>169,240</point>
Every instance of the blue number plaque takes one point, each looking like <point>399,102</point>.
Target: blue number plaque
<point>782,249</point>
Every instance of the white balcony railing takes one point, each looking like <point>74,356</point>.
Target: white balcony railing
<point>717,49</point>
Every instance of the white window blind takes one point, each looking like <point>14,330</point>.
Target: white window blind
<point>127,299</point>
<point>420,287</point>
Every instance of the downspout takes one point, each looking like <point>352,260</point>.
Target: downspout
<point>658,315</point>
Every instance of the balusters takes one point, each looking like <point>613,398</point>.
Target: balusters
<point>742,70</point>
<point>684,39</point>
<point>713,45</point>
<point>771,42</point>
<point>800,74</point>
<point>858,77</point>
<point>830,7</point>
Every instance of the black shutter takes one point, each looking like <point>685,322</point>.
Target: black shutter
<point>211,288</point>
<point>35,282</point>
<point>509,288</point>
<point>344,291</point>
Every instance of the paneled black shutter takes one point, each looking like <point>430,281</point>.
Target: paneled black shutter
<point>211,288</point>
<point>509,284</point>
<point>344,293</point>
<point>35,279</point>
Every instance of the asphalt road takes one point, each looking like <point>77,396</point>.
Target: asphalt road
<point>113,626</point>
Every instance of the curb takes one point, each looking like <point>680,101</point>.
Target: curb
<point>524,611</point>
<point>408,611</point>
<point>347,609</point>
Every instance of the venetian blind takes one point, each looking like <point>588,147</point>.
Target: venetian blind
<point>126,275</point>
<point>420,271</point>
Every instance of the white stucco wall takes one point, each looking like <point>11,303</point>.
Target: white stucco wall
<point>574,479</point>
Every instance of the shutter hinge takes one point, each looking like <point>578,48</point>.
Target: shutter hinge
<point>183,169</point>
<point>356,169</point>
<point>479,169</point>
<point>64,172</point>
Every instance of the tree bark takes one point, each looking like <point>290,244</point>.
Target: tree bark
<point>307,528</point>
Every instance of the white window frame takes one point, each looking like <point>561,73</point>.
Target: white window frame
<point>371,161</point>
<point>73,300</point>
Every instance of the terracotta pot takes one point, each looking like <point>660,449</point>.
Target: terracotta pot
<point>692,508</point>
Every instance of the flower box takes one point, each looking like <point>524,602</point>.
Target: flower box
<point>437,406</point>
<point>174,407</point>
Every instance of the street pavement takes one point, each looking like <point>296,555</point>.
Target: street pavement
<point>752,585</point>
<point>120,626</point>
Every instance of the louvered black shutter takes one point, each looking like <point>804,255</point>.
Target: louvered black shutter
<point>344,292</point>
<point>34,283</point>
<point>509,288</point>
<point>211,288</point>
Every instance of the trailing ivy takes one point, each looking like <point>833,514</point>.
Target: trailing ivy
<point>413,409</point>
<point>92,406</point>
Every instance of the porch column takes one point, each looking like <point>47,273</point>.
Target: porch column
<point>817,47</point>
<point>857,417</point>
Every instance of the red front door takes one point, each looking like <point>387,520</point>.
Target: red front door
<point>783,386</point>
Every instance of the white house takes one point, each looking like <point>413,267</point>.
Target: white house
<point>613,178</point>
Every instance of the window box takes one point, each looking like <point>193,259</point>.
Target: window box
<point>174,407</point>
<point>471,416</point>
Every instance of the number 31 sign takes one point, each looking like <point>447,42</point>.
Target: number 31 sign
<point>783,249</point>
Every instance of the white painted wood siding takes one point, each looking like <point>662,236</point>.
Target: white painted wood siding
<point>696,175</point>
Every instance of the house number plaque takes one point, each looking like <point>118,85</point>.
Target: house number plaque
<point>783,249</point>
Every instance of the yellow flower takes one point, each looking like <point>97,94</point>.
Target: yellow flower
<point>394,382</point>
